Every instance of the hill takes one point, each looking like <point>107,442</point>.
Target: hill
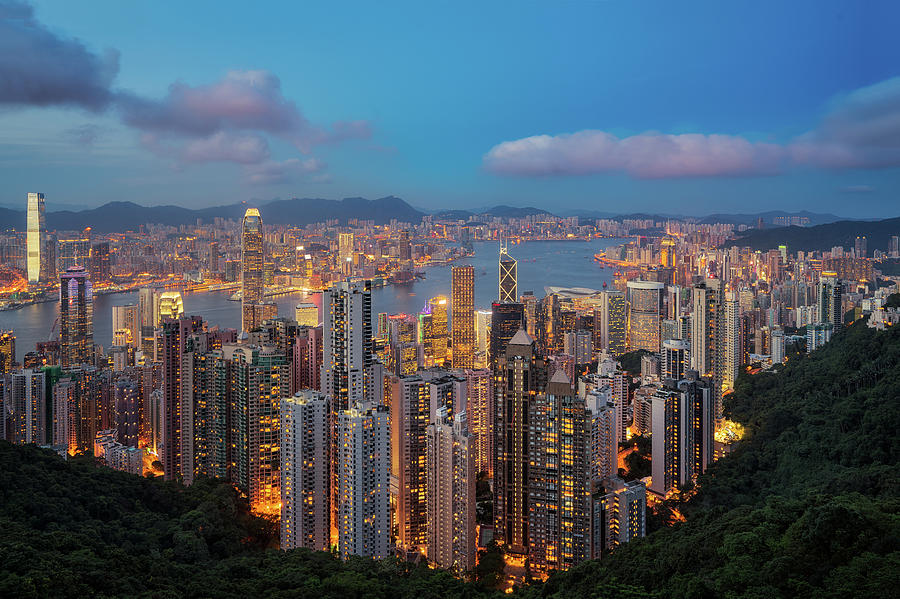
<point>805,506</point>
<point>821,237</point>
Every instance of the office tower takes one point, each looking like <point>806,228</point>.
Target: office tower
<point>307,314</point>
<point>733,339</point>
<point>148,307</point>
<point>530,302</point>
<point>403,357</point>
<point>409,400</point>
<point>345,246</point>
<point>620,515</point>
<point>644,305</point>
<point>76,318</point>
<point>549,339</point>
<point>25,409</point>
<point>347,351</point>
<point>99,260</point>
<point>462,307</point>
<point>557,478</point>
<point>256,379</point>
<point>305,471</point>
<point>508,291</point>
<point>254,315</point>
<point>362,443</point>
<point>450,488</point>
<point>7,351</point>
<point>437,307</point>
<point>521,375</point>
<point>37,264</point>
<point>127,404</point>
<point>580,345</point>
<point>251,266</point>
<point>506,320</point>
<point>667,252</point>
<point>612,322</point>
<point>708,339</point>
<point>126,318</point>
<point>603,440</point>
<point>829,294</point>
<point>480,418</point>
<point>170,306</point>
<point>176,452</point>
<point>861,247</point>
<point>776,344</point>
<point>676,356</point>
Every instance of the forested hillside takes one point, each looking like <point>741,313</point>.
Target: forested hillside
<point>806,506</point>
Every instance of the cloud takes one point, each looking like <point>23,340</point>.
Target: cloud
<point>859,131</point>
<point>40,68</point>
<point>645,156</point>
<point>272,172</point>
<point>84,135</point>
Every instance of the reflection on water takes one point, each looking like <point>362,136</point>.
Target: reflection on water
<point>541,264</point>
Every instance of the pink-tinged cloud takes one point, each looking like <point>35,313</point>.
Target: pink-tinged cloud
<point>272,172</point>
<point>859,131</point>
<point>226,147</point>
<point>645,156</point>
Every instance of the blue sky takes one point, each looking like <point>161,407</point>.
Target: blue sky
<point>684,107</point>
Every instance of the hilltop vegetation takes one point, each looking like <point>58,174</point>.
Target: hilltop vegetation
<point>806,506</point>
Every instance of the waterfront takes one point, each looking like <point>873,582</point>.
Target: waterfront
<point>541,264</point>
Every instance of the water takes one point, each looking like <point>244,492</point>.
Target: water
<point>541,264</point>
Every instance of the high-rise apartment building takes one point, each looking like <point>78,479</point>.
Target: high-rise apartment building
<point>619,515</point>
<point>306,314</point>
<point>127,318</point>
<point>345,246</point>
<point>508,289</point>
<point>733,338</point>
<point>347,351</point>
<point>644,308</point>
<point>708,334</point>
<point>829,295</point>
<point>450,489</point>
<point>24,407</point>
<point>305,471</point>
<point>251,266</point>
<point>462,306</point>
<point>176,453</point>
<point>76,318</point>
<point>612,323</point>
<point>7,351</point>
<point>480,417</point>
<point>437,307</point>
<point>37,263</point>
<point>603,441</point>
<point>676,359</point>
<point>362,494</point>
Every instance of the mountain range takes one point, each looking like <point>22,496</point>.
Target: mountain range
<point>821,237</point>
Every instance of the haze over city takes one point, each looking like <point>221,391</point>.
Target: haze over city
<point>588,299</point>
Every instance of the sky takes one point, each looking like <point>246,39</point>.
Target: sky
<point>667,107</point>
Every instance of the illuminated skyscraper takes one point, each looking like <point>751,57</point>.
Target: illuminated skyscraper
<point>480,417</point>
<point>675,354</point>
<point>508,288</point>
<point>644,305</point>
<point>36,240</point>
<point>24,407</point>
<point>439,330</point>
<point>612,322</point>
<point>733,338</point>
<point>708,339</point>
<point>829,294</point>
<point>75,251</point>
<point>451,493</point>
<point>176,452</point>
<point>345,246</point>
<point>347,352</point>
<point>76,318</point>
<point>463,316</point>
<point>7,351</point>
<point>506,320</point>
<point>362,444</point>
<point>251,266</point>
<point>307,314</point>
<point>126,318</point>
<point>170,305</point>
<point>305,467</point>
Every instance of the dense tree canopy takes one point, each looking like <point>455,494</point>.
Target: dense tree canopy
<point>805,506</point>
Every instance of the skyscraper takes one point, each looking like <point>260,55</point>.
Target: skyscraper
<point>305,471</point>
<point>439,329</point>
<point>644,305</point>
<point>612,322</point>
<point>126,318</point>
<point>733,338</point>
<point>362,442</point>
<point>829,294</point>
<point>462,291</point>
<point>345,246</point>
<point>708,339</point>
<point>76,318</point>
<point>480,417</point>
<point>347,352</point>
<point>170,305</point>
<point>36,240</point>
<point>251,266</point>
<point>506,320</point>
<point>7,351</point>
<point>176,453</point>
<point>451,493</point>
<point>508,291</point>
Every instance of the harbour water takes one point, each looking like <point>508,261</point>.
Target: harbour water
<point>541,264</point>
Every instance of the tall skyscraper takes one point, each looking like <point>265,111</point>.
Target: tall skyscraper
<point>36,240</point>
<point>708,339</point>
<point>733,338</point>
<point>347,352</point>
<point>126,318</point>
<point>644,305</point>
<point>462,292</point>
<point>170,305</point>
<point>676,354</point>
<point>305,471</point>
<point>480,417</point>
<point>345,246</point>
<point>24,405</point>
<point>508,291</point>
<point>306,314</point>
<point>506,320</point>
<point>439,329</point>
<point>829,294</point>
<point>76,318</point>
<point>363,496</point>
<point>861,247</point>
<point>176,453</point>
<point>251,266</point>
<point>612,322</point>
<point>451,493</point>
<point>7,351</point>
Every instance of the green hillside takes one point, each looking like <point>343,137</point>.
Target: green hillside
<point>806,506</point>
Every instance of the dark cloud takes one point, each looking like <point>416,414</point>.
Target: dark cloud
<point>40,68</point>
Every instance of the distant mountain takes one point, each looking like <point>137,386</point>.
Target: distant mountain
<point>128,216</point>
<point>514,211</point>
<point>769,218</point>
<point>821,237</point>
